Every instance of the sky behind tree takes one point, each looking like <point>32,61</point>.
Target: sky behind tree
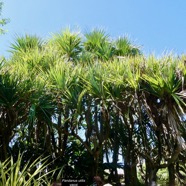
<point>157,26</point>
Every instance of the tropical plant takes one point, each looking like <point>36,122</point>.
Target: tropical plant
<point>26,44</point>
<point>81,103</point>
<point>14,106</point>
<point>67,45</point>
<point>20,173</point>
<point>97,43</point>
<point>123,47</point>
<point>164,105</point>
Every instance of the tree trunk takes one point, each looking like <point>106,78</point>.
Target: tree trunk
<point>115,159</point>
<point>172,177</point>
<point>5,138</point>
<point>130,159</point>
<point>130,175</point>
<point>116,145</point>
<point>3,150</point>
<point>152,178</point>
<point>130,170</point>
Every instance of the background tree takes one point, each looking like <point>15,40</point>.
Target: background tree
<point>3,21</point>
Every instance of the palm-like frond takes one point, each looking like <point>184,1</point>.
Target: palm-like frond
<point>123,47</point>
<point>95,39</point>
<point>105,52</point>
<point>162,80</point>
<point>26,43</point>
<point>63,80</point>
<point>67,44</point>
<point>97,43</point>
<point>95,82</point>
<point>13,89</point>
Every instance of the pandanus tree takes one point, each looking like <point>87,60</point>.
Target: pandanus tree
<point>164,102</point>
<point>15,93</point>
<point>30,58</point>
<point>96,113</point>
<point>76,95</point>
<point>123,88</point>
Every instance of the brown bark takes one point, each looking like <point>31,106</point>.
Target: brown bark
<point>172,177</point>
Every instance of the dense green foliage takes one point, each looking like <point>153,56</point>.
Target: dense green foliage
<point>85,100</point>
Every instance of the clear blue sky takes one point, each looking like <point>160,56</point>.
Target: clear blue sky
<point>156,25</point>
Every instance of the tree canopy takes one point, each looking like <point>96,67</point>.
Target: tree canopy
<point>85,100</point>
